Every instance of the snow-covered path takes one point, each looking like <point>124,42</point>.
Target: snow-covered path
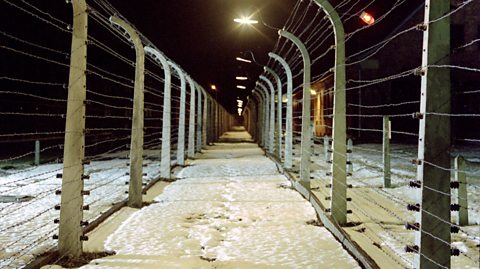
<point>231,208</point>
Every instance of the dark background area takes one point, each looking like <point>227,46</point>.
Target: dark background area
<point>201,36</point>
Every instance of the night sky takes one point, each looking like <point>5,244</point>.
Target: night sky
<point>202,38</point>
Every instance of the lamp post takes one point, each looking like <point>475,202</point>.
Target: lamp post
<point>289,117</point>
<point>306,137</point>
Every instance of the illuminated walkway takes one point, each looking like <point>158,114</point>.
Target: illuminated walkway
<point>229,208</point>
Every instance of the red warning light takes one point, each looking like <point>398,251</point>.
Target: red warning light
<point>367,18</point>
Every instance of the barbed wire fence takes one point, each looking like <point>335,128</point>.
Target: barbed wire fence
<point>34,85</point>
<point>383,97</point>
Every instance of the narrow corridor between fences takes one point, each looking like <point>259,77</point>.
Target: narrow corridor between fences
<point>228,208</point>
<point>359,145</point>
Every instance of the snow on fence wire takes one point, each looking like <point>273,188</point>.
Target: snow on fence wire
<point>34,84</point>
<point>386,86</point>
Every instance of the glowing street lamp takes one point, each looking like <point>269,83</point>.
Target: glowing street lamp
<point>213,87</point>
<point>241,78</point>
<point>241,87</point>
<point>245,20</point>
<point>367,18</point>
<point>243,60</point>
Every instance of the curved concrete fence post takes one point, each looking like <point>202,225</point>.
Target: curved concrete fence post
<point>191,120</point>
<point>165,161</point>
<point>306,137</point>
<point>260,118</point>
<point>288,162</point>
<point>267,116</point>
<point>181,118</point>
<point>199,118</point>
<point>271,125</point>
<point>278,140</point>
<point>136,144</point>
<point>205,118</point>
<point>339,160</point>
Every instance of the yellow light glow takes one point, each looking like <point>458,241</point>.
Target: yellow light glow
<point>313,92</point>
<point>245,20</point>
<point>213,87</point>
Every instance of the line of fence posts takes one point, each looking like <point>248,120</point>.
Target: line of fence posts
<point>266,115</point>
<point>71,206</point>
<point>433,218</point>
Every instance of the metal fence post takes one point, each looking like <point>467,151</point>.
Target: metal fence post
<point>191,120</point>
<point>433,238</point>
<point>181,118</point>
<point>289,118</point>
<point>71,207</point>
<point>165,161</point>
<point>386,152</point>
<point>306,138</point>
<point>339,162</point>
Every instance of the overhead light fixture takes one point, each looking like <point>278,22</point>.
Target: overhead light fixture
<point>243,60</point>
<point>241,78</point>
<point>367,18</point>
<point>241,87</point>
<point>213,87</point>
<point>313,92</point>
<point>245,20</point>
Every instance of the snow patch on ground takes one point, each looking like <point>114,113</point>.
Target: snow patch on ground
<point>232,211</point>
